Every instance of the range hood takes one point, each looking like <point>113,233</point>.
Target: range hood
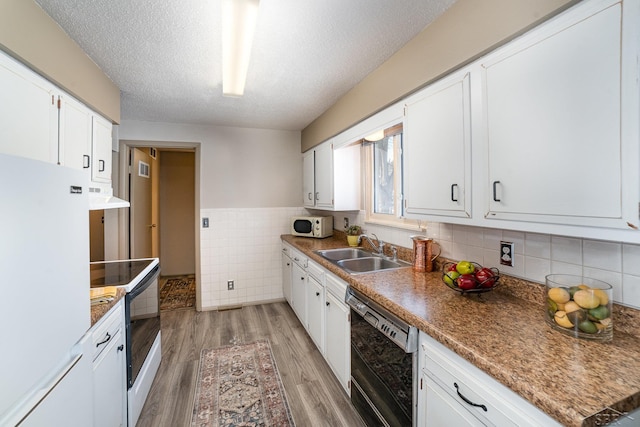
<point>98,202</point>
<point>103,198</point>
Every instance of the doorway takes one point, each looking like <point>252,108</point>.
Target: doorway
<point>161,183</point>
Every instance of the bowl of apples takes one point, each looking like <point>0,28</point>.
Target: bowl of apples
<point>469,277</point>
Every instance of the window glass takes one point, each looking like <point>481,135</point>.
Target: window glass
<point>384,174</point>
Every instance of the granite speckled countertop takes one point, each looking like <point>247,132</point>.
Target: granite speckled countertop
<point>504,333</point>
<point>99,310</point>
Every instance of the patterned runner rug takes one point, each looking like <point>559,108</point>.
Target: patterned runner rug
<point>178,292</point>
<point>239,385</point>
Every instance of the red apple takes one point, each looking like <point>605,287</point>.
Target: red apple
<point>466,281</point>
<point>485,277</point>
<point>452,267</point>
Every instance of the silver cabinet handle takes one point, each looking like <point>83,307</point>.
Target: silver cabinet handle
<point>101,165</point>
<point>86,161</point>
<point>309,196</point>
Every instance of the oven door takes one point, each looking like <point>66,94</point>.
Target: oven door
<point>382,377</point>
<point>142,314</point>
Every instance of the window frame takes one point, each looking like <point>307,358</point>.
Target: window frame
<point>394,220</point>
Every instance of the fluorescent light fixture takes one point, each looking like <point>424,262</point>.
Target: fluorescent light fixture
<point>239,18</point>
<point>376,136</point>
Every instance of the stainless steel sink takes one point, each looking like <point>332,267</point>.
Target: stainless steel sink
<point>371,264</point>
<point>343,253</point>
<point>358,261</point>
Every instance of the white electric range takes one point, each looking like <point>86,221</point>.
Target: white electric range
<point>139,277</point>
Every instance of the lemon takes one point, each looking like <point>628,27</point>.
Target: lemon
<point>602,296</point>
<point>559,295</point>
<point>561,319</point>
<point>571,306</point>
<point>586,299</point>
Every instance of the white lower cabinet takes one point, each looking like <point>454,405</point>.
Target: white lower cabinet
<point>315,312</point>
<point>287,266</point>
<point>299,286</point>
<point>109,373</point>
<point>317,298</point>
<point>337,330</point>
<point>454,392</point>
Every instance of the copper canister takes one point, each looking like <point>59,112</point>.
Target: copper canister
<point>419,253</point>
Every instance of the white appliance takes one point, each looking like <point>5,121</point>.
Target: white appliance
<point>46,366</point>
<point>139,277</point>
<point>318,227</point>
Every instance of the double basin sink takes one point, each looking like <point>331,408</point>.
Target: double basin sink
<point>358,261</point>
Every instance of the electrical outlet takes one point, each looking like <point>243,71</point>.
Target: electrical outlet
<point>346,222</point>
<point>507,253</point>
<point>229,285</point>
<point>205,222</point>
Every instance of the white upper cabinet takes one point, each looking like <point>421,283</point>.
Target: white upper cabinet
<point>324,176</point>
<point>331,177</point>
<point>438,134</point>
<point>560,149</point>
<point>308,180</point>
<point>74,149</point>
<point>29,113</point>
<point>101,150</point>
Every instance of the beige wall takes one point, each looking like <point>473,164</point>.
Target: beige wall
<point>177,212</point>
<point>467,30</point>
<point>30,35</point>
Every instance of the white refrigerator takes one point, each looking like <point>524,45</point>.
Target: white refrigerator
<point>45,361</point>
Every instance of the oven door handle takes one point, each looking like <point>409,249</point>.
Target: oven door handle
<point>144,283</point>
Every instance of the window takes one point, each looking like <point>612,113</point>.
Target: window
<point>383,176</point>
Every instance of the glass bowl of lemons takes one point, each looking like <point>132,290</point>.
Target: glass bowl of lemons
<point>579,306</point>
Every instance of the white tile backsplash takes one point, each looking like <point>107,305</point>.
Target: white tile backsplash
<point>243,245</point>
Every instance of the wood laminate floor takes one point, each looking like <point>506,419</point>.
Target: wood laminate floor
<point>314,395</point>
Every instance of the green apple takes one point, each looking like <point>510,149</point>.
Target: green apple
<point>450,277</point>
<point>465,267</point>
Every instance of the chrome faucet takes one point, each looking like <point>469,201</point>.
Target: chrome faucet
<point>379,248</point>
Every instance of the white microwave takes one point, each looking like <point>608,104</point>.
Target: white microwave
<point>318,227</point>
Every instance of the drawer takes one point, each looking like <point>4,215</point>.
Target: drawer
<point>503,406</point>
<point>107,329</point>
<point>299,258</point>
<point>316,271</point>
<point>336,286</point>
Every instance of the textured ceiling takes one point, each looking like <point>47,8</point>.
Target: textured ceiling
<point>165,55</point>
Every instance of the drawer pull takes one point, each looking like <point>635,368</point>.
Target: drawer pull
<point>467,400</point>
<point>104,341</point>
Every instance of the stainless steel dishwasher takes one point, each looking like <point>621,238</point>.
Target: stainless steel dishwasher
<point>384,367</point>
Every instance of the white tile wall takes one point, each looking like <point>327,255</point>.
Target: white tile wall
<point>243,245</point>
<point>536,255</point>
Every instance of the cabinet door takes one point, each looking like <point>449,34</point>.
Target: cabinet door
<point>338,339</point>
<point>286,277</point>
<point>308,188</point>
<point>29,113</point>
<point>109,386</point>
<point>298,292</point>
<point>440,409</point>
<point>553,108</point>
<point>315,312</point>
<point>101,149</point>
<point>437,151</point>
<point>74,146</point>
<point>324,175</point>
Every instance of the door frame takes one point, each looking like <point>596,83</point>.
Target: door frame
<point>123,218</point>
